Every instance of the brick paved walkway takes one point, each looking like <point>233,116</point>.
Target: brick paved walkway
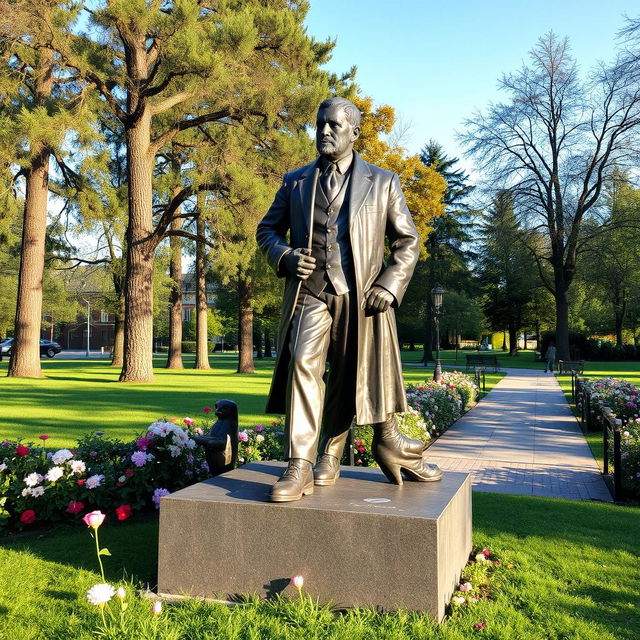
<point>523,439</point>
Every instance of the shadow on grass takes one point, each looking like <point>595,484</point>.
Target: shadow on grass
<point>133,545</point>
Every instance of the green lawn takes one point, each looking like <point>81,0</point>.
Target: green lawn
<point>77,396</point>
<point>453,359</point>
<point>575,577</point>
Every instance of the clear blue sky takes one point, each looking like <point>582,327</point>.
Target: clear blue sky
<point>437,62</point>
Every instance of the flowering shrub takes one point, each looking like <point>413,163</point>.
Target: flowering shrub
<point>463,385</point>
<point>118,477</point>
<point>438,403</point>
<point>623,398</point>
<point>433,408</point>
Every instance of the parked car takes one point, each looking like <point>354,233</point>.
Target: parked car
<point>47,347</point>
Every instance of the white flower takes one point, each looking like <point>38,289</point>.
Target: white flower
<point>179,436</point>
<point>259,438</point>
<point>100,593</point>
<point>122,479</point>
<point>26,492</point>
<point>61,456</point>
<point>3,467</point>
<point>77,466</point>
<point>191,444</point>
<point>173,450</point>
<point>55,473</point>
<point>33,479</point>
<point>94,481</point>
<point>36,492</point>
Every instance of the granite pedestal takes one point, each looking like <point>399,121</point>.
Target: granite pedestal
<point>363,542</point>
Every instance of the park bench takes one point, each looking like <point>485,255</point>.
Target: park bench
<point>482,360</point>
<point>567,366</point>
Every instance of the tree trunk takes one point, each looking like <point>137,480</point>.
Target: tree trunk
<point>245,328</point>
<point>25,353</point>
<point>257,341</point>
<point>513,338</point>
<point>562,323</point>
<point>268,353</point>
<point>174,357</point>
<point>202,333</point>
<point>141,244</point>
<point>117,356</point>
<point>504,341</point>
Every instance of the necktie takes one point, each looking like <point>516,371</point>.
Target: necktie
<point>330,182</point>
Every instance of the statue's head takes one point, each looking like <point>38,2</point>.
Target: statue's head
<point>227,409</point>
<point>337,128</point>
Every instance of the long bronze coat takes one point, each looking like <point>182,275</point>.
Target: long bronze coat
<point>377,208</point>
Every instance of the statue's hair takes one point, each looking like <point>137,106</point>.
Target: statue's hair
<point>351,112</point>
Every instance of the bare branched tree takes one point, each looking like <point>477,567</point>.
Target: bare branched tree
<point>553,144</point>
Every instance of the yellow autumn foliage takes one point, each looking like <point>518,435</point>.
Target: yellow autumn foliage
<point>423,186</point>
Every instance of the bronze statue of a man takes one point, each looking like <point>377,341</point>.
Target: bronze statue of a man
<point>325,233</point>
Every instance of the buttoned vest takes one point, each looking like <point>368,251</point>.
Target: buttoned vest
<point>330,244</point>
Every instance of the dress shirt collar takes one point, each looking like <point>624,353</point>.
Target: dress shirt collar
<point>342,165</point>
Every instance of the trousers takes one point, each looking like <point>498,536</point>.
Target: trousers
<point>323,329</point>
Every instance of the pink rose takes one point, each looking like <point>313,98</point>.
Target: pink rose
<point>157,608</point>
<point>94,519</point>
<point>297,581</point>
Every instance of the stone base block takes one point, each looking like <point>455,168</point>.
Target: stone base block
<point>362,542</point>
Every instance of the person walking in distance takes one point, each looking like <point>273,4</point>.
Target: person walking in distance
<point>550,357</point>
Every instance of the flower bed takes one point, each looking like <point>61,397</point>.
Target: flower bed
<point>119,478</point>
<point>433,408</point>
<point>623,398</point>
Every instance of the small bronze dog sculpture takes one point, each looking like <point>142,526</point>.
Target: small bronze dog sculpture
<point>221,443</point>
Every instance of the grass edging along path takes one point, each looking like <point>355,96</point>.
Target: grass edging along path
<point>570,572</point>
<point>79,396</point>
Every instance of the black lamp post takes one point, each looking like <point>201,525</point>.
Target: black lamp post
<point>437,293</point>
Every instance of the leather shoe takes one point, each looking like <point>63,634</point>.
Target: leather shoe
<point>326,471</point>
<point>296,481</point>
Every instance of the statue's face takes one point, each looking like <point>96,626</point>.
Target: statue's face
<point>335,135</point>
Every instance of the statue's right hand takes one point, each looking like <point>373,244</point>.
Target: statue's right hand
<point>299,263</point>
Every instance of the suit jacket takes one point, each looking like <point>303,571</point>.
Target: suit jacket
<point>377,210</point>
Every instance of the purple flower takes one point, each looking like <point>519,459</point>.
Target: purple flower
<point>259,428</point>
<point>139,458</point>
<point>157,494</point>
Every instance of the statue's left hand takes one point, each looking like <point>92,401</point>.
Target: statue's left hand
<point>378,299</point>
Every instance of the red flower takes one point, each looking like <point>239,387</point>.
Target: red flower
<point>143,443</point>
<point>44,436</point>
<point>207,409</point>
<point>123,512</point>
<point>361,449</point>
<point>119,484</point>
<point>480,625</point>
<point>21,450</point>
<point>28,516</point>
<point>129,472</point>
<point>75,507</point>
<point>80,482</point>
